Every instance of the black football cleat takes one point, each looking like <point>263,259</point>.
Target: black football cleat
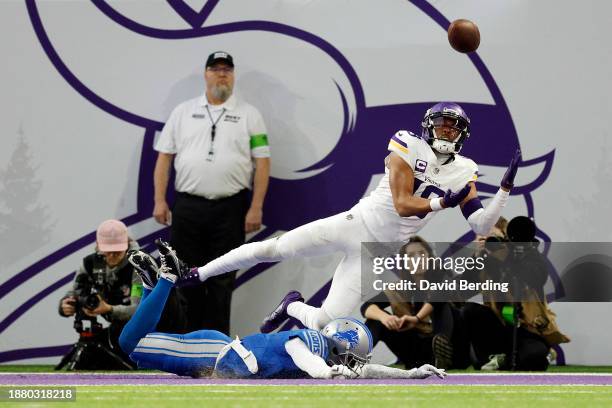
<point>145,266</point>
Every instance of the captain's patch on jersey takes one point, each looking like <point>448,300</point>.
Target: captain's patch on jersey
<point>421,165</point>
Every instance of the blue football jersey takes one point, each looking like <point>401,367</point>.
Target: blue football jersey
<point>272,358</point>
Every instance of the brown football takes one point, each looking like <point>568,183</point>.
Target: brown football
<point>463,35</point>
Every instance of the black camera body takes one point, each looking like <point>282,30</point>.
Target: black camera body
<point>87,294</point>
<point>89,288</point>
<point>521,232</point>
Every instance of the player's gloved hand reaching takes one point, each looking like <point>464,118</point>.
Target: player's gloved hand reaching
<point>451,199</point>
<point>507,181</point>
<point>426,371</point>
<point>342,372</point>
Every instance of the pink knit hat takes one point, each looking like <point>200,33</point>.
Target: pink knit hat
<point>112,236</point>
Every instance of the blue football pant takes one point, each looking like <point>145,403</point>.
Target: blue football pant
<point>193,354</point>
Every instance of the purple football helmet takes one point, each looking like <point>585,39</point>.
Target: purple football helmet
<point>445,114</point>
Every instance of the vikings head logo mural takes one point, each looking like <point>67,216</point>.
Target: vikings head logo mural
<point>327,118</point>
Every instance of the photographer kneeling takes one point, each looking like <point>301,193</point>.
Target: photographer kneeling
<point>105,285</point>
<point>518,331</point>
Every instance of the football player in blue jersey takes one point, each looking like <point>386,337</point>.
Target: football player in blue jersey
<point>341,350</point>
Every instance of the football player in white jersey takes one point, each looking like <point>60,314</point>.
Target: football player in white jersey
<point>423,176</point>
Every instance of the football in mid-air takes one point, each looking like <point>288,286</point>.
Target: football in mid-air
<point>463,36</point>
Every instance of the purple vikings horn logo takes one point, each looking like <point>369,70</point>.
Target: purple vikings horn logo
<point>336,181</point>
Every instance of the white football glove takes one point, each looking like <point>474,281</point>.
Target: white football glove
<point>427,370</point>
<point>342,372</point>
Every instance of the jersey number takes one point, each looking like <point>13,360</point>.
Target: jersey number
<point>427,192</point>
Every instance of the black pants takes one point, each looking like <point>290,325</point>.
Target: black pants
<point>412,348</point>
<point>490,336</point>
<point>448,320</point>
<point>173,318</point>
<point>201,231</point>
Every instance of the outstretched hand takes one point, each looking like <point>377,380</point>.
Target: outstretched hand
<point>426,371</point>
<point>342,372</point>
<point>507,182</point>
<point>454,199</point>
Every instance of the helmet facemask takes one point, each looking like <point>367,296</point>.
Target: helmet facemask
<point>348,359</point>
<point>433,133</point>
<point>349,343</point>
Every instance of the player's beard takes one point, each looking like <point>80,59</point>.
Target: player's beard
<point>221,92</point>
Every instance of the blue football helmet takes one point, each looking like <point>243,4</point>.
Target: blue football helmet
<point>349,341</point>
<point>447,114</point>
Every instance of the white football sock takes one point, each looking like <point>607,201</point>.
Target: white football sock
<point>312,317</point>
<point>242,257</point>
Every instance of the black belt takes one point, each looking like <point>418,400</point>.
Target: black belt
<point>193,197</point>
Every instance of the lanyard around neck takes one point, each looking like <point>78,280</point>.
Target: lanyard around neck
<point>213,131</point>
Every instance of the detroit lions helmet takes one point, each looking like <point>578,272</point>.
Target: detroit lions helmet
<point>445,114</point>
<point>349,341</point>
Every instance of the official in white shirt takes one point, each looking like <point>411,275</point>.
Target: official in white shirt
<point>219,147</point>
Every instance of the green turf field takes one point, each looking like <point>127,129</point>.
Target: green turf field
<point>319,396</point>
<point>334,396</point>
<point>552,369</point>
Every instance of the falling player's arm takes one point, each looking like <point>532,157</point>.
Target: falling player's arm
<point>373,371</point>
<point>482,219</point>
<point>401,181</point>
<point>316,367</point>
<point>311,363</point>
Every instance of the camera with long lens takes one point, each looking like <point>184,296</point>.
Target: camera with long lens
<point>87,294</point>
<point>89,289</point>
<point>521,232</point>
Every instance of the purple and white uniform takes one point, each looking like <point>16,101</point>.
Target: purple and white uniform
<point>431,179</point>
<point>374,218</point>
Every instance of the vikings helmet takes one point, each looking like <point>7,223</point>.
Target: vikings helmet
<point>349,341</point>
<point>445,114</point>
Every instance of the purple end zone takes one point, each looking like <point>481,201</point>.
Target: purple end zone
<point>169,379</point>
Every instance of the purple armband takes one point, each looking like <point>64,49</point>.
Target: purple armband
<point>471,206</point>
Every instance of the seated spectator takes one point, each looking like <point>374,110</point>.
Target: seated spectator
<point>450,343</point>
<point>407,331</point>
